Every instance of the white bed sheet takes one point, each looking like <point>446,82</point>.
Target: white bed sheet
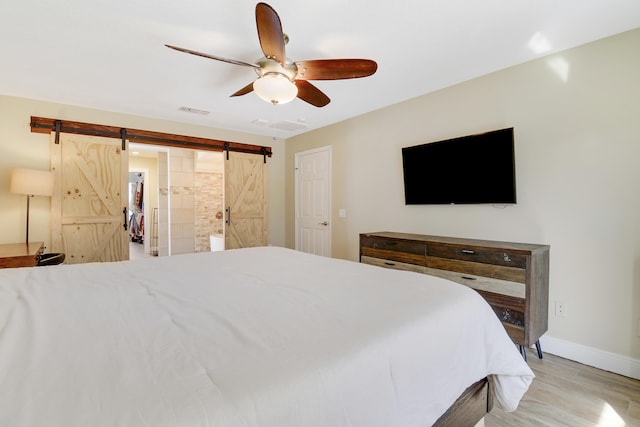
<point>252,337</point>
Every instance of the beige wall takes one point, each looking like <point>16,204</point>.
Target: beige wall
<point>21,148</point>
<point>577,127</point>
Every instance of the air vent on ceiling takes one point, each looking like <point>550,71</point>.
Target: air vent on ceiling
<point>290,126</point>
<point>193,110</point>
<point>261,122</point>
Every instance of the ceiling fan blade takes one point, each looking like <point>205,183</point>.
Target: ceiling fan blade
<point>311,94</point>
<point>270,33</point>
<point>335,69</point>
<point>245,90</point>
<point>217,58</point>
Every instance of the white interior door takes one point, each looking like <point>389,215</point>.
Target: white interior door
<point>313,201</point>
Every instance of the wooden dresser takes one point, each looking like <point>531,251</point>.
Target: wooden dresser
<point>20,254</point>
<point>512,277</point>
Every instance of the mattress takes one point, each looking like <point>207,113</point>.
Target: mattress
<point>249,337</point>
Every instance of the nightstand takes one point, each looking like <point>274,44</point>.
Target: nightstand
<point>20,254</point>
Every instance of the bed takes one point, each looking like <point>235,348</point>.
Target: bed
<point>249,337</point>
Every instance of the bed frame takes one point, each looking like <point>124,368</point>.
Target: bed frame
<point>472,405</point>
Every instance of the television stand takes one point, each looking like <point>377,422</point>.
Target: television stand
<point>512,277</point>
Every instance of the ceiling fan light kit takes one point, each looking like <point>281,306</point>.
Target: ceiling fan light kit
<point>280,80</point>
<point>275,88</point>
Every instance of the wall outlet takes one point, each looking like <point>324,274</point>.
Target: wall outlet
<point>561,309</point>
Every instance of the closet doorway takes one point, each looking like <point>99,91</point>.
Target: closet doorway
<point>138,215</point>
<point>143,200</point>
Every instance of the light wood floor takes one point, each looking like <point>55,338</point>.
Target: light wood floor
<point>136,251</point>
<point>566,393</point>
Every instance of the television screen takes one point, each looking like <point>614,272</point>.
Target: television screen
<point>471,169</point>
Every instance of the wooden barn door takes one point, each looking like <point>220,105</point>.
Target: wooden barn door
<point>89,205</point>
<point>245,201</point>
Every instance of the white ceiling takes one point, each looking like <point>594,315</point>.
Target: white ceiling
<point>110,55</point>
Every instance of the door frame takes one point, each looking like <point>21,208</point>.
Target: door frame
<point>298,199</point>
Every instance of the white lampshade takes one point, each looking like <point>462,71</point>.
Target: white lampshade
<point>275,88</point>
<point>32,182</point>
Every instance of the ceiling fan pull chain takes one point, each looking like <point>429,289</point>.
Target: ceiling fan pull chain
<point>274,123</point>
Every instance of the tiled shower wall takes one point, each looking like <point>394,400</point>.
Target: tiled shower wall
<point>208,208</point>
<point>181,204</point>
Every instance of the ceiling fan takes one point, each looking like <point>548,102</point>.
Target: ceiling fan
<point>279,79</point>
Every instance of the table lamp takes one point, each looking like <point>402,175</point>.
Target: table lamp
<point>31,183</point>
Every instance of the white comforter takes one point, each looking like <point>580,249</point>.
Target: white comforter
<point>250,337</point>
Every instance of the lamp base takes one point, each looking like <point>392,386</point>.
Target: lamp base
<point>27,236</point>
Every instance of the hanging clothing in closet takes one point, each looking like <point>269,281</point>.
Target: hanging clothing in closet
<point>136,220</point>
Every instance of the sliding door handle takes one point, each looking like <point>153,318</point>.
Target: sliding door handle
<point>124,213</point>
<point>228,211</point>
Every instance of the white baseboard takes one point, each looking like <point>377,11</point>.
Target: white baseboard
<point>623,365</point>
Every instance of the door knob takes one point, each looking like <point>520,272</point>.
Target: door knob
<point>325,223</point>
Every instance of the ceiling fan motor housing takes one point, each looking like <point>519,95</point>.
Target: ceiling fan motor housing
<point>271,66</point>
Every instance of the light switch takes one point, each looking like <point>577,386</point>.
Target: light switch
<point>342,213</point>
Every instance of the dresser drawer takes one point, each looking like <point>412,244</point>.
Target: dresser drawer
<point>392,264</point>
<point>394,250</point>
<point>417,248</point>
<point>472,254</point>
<point>511,312</point>
<point>481,283</point>
<point>516,333</point>
<point>513,274</point>
<point>507,315</point>
<point>513,303</point>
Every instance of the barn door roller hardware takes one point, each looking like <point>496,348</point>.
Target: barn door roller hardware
<point>123,137</point>
<point>57,128</point>
<point>45,125</point>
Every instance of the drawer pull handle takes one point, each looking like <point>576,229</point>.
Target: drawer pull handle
<point>389,263</point>
<point>468,251</point>
<point>468,278</point>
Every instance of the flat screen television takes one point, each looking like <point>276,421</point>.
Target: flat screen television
<point>472,169</point>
